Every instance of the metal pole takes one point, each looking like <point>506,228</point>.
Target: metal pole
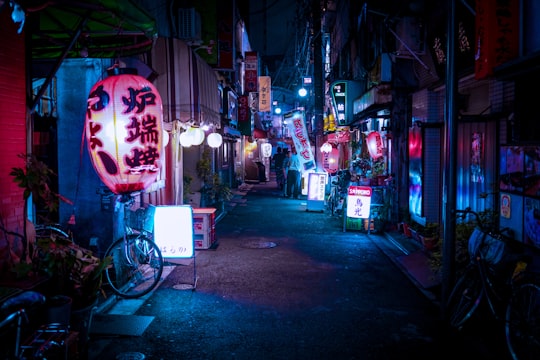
<point>449,185</point>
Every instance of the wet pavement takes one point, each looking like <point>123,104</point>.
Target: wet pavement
<point>286,283</point>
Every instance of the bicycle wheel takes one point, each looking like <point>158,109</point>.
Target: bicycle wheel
<point>523,322</point>
<point>464,298</point>
<point>136,266</point>
<point>51,232</point>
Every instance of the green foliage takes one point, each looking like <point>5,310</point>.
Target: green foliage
<point>35,178</point>
<point>463,230</point>
<point>187,186</point>
<point>73,270</point>
<point>213,190</point>
<point>204,166</point>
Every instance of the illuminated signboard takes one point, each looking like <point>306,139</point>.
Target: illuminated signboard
<point>173,231</point>
<point>359,201</point>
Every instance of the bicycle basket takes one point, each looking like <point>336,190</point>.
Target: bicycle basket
<point>491,250</point>
<point>142,218</point>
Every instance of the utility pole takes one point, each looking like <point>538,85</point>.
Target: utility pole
<point>318,87</point>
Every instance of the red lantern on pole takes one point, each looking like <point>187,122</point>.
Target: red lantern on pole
<point>374,144</point>
<point>124,131</point>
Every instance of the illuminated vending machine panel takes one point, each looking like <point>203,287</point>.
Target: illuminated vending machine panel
<point>204,227</point>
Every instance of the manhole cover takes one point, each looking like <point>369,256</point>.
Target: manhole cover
<point>259,244</point>
<point>183,287</point>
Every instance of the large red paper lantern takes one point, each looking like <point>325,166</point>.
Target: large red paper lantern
<point>375,145</point>
<point>124,132</point>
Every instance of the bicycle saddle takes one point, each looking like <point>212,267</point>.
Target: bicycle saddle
<point>23,300</point>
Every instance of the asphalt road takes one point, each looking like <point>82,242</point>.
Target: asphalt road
<point>286,283</point>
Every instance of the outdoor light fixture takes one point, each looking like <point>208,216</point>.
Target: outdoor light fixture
<point>302,92</point>
<point>185,139</point>
<point>277,110</point>
<point>214,140</point>
<point>124,131</point>
<point>326,147</point>
<point>266,149</point>
<point>375,145</point>
<point>165,138</point>
<point>196,134</point>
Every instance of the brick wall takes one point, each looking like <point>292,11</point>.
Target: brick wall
<point>12,125</point>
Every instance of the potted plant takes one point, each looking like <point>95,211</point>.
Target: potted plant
<point>214,191</point>
<point>429,235</point>
<point>72,270</point>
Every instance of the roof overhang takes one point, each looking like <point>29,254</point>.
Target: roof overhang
<point>90,28</point>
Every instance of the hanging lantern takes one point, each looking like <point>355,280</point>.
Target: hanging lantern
<point>374,144</point>
<point>185,139</point>
<point>196,134</point>
<point>214,140</point>
<point>124,132</point>
<point>266,149</point>
<point>330,161</point>
<point>326,148</point>
<point>165,138</point>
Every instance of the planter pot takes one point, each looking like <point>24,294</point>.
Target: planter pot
<point>81,321</point>
<point>58,310</point>
<point>406,230</point>
<point>429,242</point>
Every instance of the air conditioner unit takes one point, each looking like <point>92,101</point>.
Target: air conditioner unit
<point>410,37</point>
<point>189,26</point>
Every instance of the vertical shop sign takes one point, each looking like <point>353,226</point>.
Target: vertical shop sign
<point>265,94</point>
<point>297,128</point>
<point>497,35</point>
<point>339,97</point>
<point>245,125</point>
<point>477,155</point>
<point>225,35</point>
<point>359,202</point>
<point>506,209</point>
<point>250,76</point>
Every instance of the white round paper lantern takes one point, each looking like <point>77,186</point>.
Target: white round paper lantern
<point>326,148</point>
<point>214,140</point>
<point>266,149</point>
<point>197,135</point>
<point>185,139</point>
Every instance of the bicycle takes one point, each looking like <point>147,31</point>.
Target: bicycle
<point>335,202</point>
<point>136,261</point>
<point>496,276</point>
<point>52,231</point>
<point>47,342</point>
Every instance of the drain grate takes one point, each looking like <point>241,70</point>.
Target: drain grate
<point>258,244</point>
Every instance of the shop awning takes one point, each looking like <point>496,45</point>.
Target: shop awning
<point>90,28</point>
<point>187,84</point>
<point>260,134</point>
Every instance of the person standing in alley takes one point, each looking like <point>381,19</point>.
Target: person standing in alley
<point>278,158</point>
<point>286,164</point>
<point>293,175</point>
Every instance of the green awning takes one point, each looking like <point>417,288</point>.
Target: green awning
<point>90,28</point>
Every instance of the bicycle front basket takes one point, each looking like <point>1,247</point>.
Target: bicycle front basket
<point>490,248</point>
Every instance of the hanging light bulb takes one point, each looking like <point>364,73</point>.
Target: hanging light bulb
<point>214,140</point>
